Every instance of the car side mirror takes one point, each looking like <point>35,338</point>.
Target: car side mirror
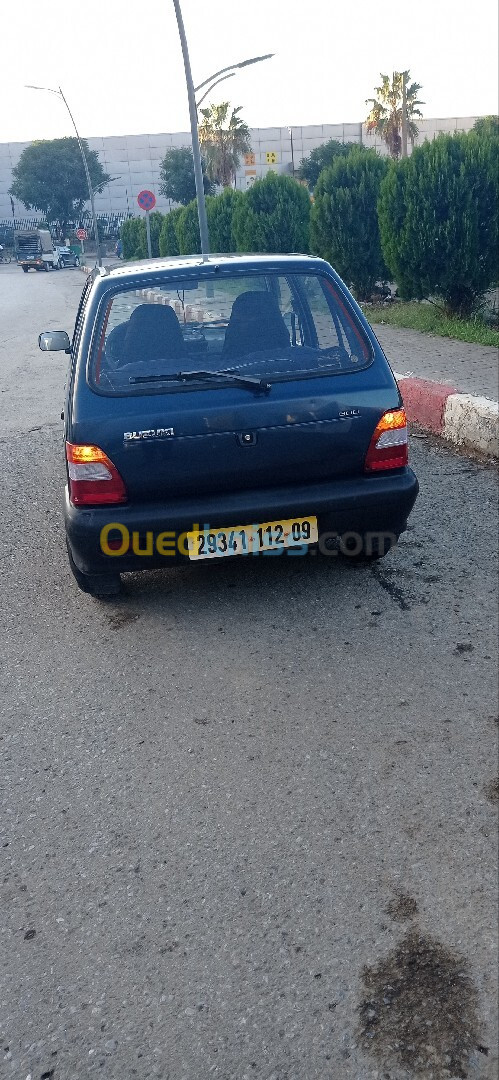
<point>54,341</point>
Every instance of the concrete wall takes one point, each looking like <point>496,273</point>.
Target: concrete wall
<point>135,159</point>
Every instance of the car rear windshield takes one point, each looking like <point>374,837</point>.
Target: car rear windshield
<point>269,326</point>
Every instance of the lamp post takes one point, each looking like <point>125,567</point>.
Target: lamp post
<point>290,129</point>
<point>59,93</point>
<point>191,95</point>
<point>196,152</point>
<point>210,88</point>
<point>232,70</point>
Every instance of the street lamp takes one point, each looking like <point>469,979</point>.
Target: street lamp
<point>232,69</point>
<point>290,129</point>
<point>210,88</point>
<point>196,152</point>
<point>191,95</point>
<point>59,93</point>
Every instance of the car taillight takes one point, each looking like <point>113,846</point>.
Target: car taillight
<point>93,479</point>
<point>388,447</point>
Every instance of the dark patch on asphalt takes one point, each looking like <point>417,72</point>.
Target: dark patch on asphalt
<point>402,907</point>
<point>122,618</point>
<point>389,586</point>
<point>491,790</point>
<point>463,647</point>
<point>420,1009</point>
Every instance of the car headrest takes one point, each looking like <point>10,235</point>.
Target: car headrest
<point>255,325</point>
<point>153,333</point>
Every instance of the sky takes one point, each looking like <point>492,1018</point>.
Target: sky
<point>119,61</point>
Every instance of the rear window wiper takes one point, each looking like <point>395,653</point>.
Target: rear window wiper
<point>258,386</point>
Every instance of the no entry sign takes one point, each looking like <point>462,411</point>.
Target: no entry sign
<point>146,200</point>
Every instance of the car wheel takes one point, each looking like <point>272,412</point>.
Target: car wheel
<point>25,269</point>
<point>102,586</point>
<point>46,267</point>
<point>60,265</point>
<point>77,261</point>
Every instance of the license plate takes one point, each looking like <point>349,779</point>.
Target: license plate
<point>272,536</point>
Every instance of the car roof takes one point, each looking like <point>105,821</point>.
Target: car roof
<point>175,263</point>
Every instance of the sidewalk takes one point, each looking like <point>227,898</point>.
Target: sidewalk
<point>470,369</point>
<point>448,387</point>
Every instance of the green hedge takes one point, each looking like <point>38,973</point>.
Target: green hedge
<point>344,221</point>
<point>187,229</point>
<point>274,215</point>
<point>429,221</point>
<point>134,236</point>
<point>131,238</point>
<point>168,242</point>
<point>438,213</point>
<point>220,212</point>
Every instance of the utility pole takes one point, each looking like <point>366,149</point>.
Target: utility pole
<point>404,114</point>
<point>290,129</point>
<point>89,184</point>
<point>196,152</point>
<point>59,93</point>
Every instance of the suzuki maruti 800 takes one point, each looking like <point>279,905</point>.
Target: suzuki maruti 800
<point>239,405</point>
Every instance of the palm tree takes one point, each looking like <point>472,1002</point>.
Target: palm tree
<point>385,117</point>
<point>223,140</point>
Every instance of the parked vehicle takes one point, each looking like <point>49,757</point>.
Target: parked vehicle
<point>7,236</point>
<point>240,405</point>
<point>66,257</point>
<point>35,250</point>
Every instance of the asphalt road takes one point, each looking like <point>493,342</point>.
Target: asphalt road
<point>248,808</point>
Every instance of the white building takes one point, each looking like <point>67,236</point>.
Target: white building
<point>134,160</point>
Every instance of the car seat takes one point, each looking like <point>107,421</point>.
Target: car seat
<point>255,325</point>
<point>153,333</point>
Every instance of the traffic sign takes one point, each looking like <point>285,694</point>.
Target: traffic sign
<point>81,234</point>
<point>146,200</point>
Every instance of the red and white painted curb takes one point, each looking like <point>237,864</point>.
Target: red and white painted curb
<point>464,419</point>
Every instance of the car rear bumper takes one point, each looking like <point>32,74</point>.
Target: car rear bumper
<point>378,503</point>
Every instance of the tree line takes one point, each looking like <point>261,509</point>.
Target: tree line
<point>428,222</point>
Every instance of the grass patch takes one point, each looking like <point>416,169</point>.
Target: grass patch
<point>429,320</point>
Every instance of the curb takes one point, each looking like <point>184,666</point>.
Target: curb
<point>463,419</point>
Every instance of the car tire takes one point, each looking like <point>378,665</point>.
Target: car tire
<point>25,269</point>
<point>60,265</point>
<point>77,261</point>
<point>46,267</point>
<point>102,586</point>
